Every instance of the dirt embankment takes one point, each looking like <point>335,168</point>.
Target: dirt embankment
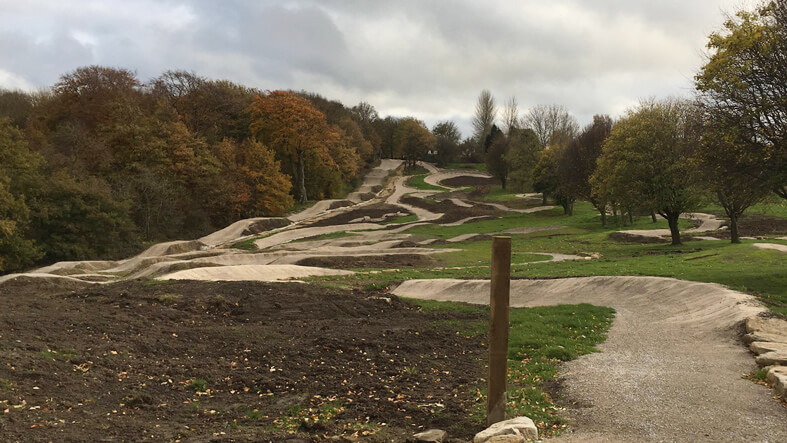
<point>240,360</point>
<point>451,212</point>
<point>374,211</point>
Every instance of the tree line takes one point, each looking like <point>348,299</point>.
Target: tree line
<point>101,164</point>
<point>662,157</point>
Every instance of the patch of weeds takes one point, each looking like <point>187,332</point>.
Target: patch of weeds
<point>6,385</point>
<point>418,182</point>
<point>253,415</point>
<point>198,384</point>
<point>328,236</point>
<point>62,355</point>
<point>153,282</point>
<point>376,287</point>
<point>759,376</point>
<point>401,219</point>
<point>246,245</point>
<point>300,417</point>
<point>169,299</point>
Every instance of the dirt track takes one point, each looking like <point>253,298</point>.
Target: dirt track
<point>672,368</point>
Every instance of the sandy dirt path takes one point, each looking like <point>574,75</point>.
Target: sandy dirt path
<point>671,369</point>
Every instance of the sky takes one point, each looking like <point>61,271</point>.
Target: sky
<point>424,58</point>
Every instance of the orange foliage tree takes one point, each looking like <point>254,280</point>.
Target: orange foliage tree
<point>295,129</point>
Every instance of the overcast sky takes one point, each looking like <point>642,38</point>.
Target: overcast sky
<point>427,58</point>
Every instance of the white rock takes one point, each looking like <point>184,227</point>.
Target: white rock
<point>430,436</point>
<point>507,439</point>
<point>762,347</point>
<point>519,426</point>
<point>777,377</point>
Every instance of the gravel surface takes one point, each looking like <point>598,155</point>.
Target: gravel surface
<point>672,368</point>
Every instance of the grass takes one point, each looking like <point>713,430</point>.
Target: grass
<point>246,245</point>
<point>198,384</point>
<point>62,355</point>
<point>539,339</point>
<point>417,182</point>
<point>498,194</point>
<point>401,219</point>
<point>772,206</point>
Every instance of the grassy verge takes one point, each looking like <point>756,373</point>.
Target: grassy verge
<point>539,340</point>
<point>773,207</point>
<point>328,236</point>
<point>417,182</point>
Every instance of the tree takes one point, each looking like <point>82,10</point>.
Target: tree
<point>579,162</point>
<point>524,150</point>
<point>413,140</point>
<point>732,176</point>
<point>448,139</point>
<point>496,147</point>
<point>545,173</point>
<point>646,161</point>
<point>510,115</point>
<point>552,124</point>
<point>485,114</point>
<point>294,128</point>
<point>745,81</point>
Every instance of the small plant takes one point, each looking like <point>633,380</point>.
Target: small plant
<point>169,299</point>
<point>198,384</point>
<point>63,355</point>
<point>253,415</point>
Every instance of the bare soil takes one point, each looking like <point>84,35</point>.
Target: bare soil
<point>231,361</point>
<point>451,212</point>
<point>469,180</point>
<point>756,225</point>
<point>372,211</point>
<point>370,261</point>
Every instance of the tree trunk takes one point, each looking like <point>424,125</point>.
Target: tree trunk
<point>673,227</point>
<point>653,215</point>
<point>603,212</point>
<point>631,217</point>
<point>301,178</point>
<point>568,207</point>
<point>543,199</point>
<point>734,236</point>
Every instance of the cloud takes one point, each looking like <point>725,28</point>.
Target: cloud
<point>410,57</point>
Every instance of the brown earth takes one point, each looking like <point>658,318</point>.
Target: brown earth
<point>756,225</point>
<point>232,361</point>
<point>372,211</point>
<point>450,211</point>
<point>370,261</point>
<point>469,180</point>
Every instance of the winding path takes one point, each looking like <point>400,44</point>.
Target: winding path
<point>672,367</point>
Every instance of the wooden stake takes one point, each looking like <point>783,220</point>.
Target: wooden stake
<point>498,329</point>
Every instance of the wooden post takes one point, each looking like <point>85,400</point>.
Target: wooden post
<point>498,329</point>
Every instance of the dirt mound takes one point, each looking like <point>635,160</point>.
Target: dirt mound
<point>450,210</point>
<point>14,283</point>
<point>369,261</point>
<point>250,273</point>
<point>185,360</point>
<point>264,225</point>
<point>372,211</point>
<point>470,180</point>
<point>623,236</point>
<point>756,225</point>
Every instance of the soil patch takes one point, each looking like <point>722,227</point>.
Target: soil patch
<point>370,261</point>
<point>469,180</point>
<point>267,224</point>
<point>240,361</point>
<point>633,238</point>
<point>371,211</point>
<point>451,212</point>
<point>755,225</point>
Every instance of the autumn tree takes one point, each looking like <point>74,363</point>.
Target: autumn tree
<point>553,124</point>
<point>744,82</point>
<point>294,128</point>
<point>579,163</point>
<point>484,118</point>
<point>646,162</point>
<point>413,140</point>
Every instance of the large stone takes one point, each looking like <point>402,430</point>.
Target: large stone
<point>777,377</point>
<point>762,347</point>
<point>506,439</point>
<point>778,358</point>
<point>766,329</point>
<point>430,436</point>
<point>519,426</point>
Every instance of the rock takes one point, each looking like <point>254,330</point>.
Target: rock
<point>772,358</point>
<point>766,329</point>
<point>762,347</point>
<point>777,377</point>
<point>507,439</point>
<point>519,426</point>
<point>430,436</point>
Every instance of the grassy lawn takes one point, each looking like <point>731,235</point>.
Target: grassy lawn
<point>539,339</point>
<point>498,194</point>
<point>401,219</point>
<point>773,207</point>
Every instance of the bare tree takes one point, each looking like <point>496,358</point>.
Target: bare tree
<point>510,115</point>
<point>485,114</point>
<point>552,124</point>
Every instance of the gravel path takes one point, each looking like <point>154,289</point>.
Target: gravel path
<point>671,369</point>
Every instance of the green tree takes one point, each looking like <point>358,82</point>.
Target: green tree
<point>523,154</point>
<point>496,147</point>
<point>647,161</point>
<point>448,139</point>
<point>745,81</point>
<point>412,140</point>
